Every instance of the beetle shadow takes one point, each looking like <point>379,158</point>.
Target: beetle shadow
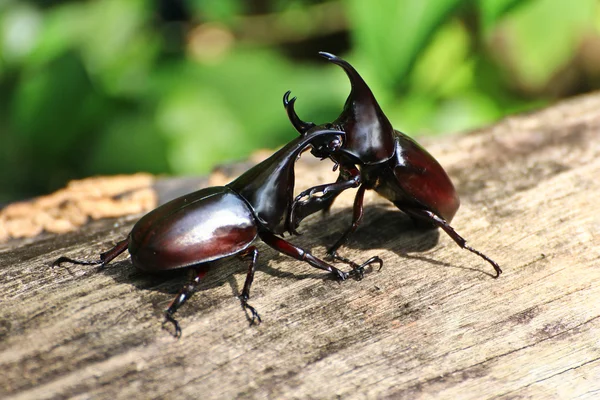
<point>384,226</point>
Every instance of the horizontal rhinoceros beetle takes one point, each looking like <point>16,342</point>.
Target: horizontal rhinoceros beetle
<point>217,222</point>
<point>376,156</point>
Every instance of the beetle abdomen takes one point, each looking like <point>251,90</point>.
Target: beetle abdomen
<point>423,179</point>
<point>198,227</point>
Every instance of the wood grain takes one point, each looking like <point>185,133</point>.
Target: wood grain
<point>431,324</point>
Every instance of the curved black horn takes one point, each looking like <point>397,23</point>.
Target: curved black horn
<point>369,133</point>
<point>301,126</point>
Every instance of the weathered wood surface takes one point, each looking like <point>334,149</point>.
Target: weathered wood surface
<point>431,324</point>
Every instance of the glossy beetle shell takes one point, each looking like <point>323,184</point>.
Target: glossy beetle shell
<point>268,187</point>
<point>390,162</point>
<point>198,227</point>
<point>369,133</point>
<point>412,177</point>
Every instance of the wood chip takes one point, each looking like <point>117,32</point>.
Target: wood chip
<point>68,208</point>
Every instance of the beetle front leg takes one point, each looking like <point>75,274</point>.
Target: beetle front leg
<point>184,294</point>
<point>298,253</point>
<point>349,177</point>
<point>301,210</point>
<point>252,252</point>
<point>357,217</point>
<point>441,223</point>
<point>359,270</point>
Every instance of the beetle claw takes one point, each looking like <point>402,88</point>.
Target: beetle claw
<point>169,318</point>
<point>247,307</point>
<point>358,271</point>
<point>341,275</point>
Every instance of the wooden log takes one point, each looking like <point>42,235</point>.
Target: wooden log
<point>431,324</point>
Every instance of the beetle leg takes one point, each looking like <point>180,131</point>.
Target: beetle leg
<point>350,177</point>
<point>357,217</point>
<point>105,257</point>
<point>441,223</point>
<point>301,126</point>
<point>298,253</point>
<point>184,294</point>
<point>300,210</point>
<point>359,270</point>
<point>252,252</point>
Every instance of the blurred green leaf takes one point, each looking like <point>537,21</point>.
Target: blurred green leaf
<point>61,31</point>
<point>393,32</point>
<point>111,86</point>
<point>222,10</point>
<point>201,130</point>
<point>412,114</point>
<point>130,143</point>
<point>49,107</point>
<point>117,47</point>
<point>443,66</point>
<point>466,111</point>
<point>55,114</point>
<point>19,32</point>
<point>542,37</point>
<point>225,111</point>
<point>490,11</point>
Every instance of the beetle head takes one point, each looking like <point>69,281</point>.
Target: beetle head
<point>325,146</point>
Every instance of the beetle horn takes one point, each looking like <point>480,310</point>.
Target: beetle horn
<point>301,126</point>
<point>369,133</point>
<point>361,93</point>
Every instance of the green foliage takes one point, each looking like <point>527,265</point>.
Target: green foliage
<point>113,86</point>
<point>490,11</point>
<point>394,32</point>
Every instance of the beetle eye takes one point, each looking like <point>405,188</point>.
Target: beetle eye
<point>335,144</point>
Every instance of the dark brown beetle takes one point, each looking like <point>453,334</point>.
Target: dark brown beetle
<point>375,156</point>
<point>217,222</point>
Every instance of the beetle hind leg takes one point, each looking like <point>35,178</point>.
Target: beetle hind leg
<point>441,223</point>
<point>105,257</point>
<point>252,253</point>
<point>184,294</point>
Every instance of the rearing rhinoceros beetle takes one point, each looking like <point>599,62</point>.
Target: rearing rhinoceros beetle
<point>217,222</point>
<point>375,156</point>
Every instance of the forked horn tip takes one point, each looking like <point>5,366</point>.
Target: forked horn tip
<point>286,97</point>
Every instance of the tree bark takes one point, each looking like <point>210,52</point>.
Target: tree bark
<point>432,323</point>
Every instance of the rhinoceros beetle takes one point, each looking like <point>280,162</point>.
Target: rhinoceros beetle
<point>217,222</point>
<point>376,156</point>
